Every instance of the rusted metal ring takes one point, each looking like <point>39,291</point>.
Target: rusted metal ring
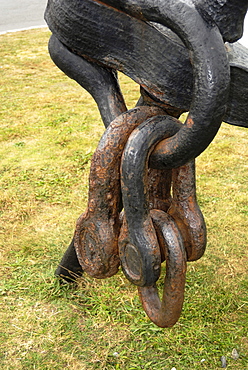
<point>165,313</point>
<point>186,212</point>
<point>181,205</point>
<point>140,252</point>
<point>97,230</point>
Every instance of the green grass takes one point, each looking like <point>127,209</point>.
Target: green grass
<point>49,129</point>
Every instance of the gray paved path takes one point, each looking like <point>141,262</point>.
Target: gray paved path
<point>21,14</point>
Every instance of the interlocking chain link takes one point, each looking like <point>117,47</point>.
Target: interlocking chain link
<point>144,162</point>
<point>97,230</point>
<point>161,218</point>
<point>158,224</point>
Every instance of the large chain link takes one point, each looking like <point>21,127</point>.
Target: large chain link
<point>97,230</point>
<point>161,218</point>
<point>144,162</point>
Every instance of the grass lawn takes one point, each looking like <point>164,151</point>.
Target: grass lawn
<point>49,130</point>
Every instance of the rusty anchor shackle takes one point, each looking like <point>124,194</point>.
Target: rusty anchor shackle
<point>98,228</point>
<point>174,231</point>
<point>162,227</point>
<point>158,226</point>
<point>139,247</point>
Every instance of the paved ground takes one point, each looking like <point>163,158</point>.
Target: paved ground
<point>23,14</point>
<point>244,39</point>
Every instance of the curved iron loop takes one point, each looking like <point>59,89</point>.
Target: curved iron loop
<point>100,82</point>
<point>186,212</point>
<point>149,53</point>
<point>182,206</point>
<point>211,76</point>
<point>165,313</point>
<point>97,230</point>
<point>140,252</point>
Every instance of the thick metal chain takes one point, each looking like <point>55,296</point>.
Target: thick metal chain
<point>97,230</point>
<point>145,159</point>
<point>161,220</point>
<point>158,225</point>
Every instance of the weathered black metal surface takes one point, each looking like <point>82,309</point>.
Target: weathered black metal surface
<point>237,106</point>
<point>117,40</point>
<point>101,83</point>
<point>69,268</point>
<point>228,15</point>
<point>207,50</point>
<point>175,51</point>
<point>154,70</point>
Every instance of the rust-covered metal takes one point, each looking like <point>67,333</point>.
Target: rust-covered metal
<point>142,206</point>
<point>186,211</point>
<point>97,229</point>
<point>162,221</point>
<point>166,312</point>
<point>142,248</point>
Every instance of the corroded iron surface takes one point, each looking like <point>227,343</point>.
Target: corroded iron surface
<point>142,207</point>
<point>97,230</point>
<point>165,313</point>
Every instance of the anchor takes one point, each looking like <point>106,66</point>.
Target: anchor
<point>142,206</point>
